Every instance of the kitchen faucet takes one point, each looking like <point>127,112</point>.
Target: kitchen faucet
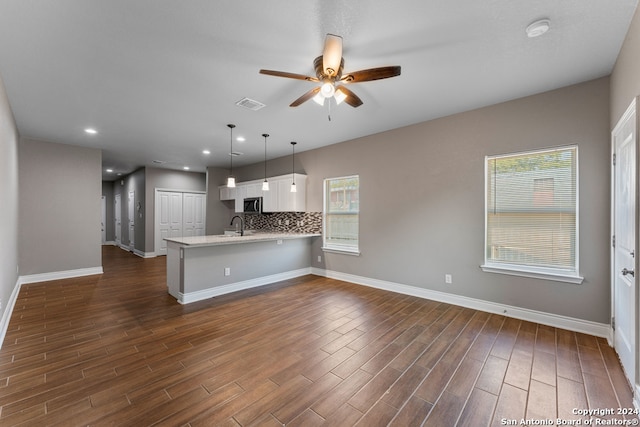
<point>241,223</point>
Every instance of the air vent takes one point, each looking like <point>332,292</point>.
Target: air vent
<point>236,153</point>
<point>159,162</point>
<point>250,104</point>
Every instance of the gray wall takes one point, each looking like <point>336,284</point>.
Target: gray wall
<point>168,180</point>
<point>9,195</point>
<point>625,79</point>
<point>133,182</point>
<point>218,213</point>
<point>422,198</point>
<point>60,189</point>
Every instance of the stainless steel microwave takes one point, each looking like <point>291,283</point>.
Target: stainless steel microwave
<point>253,205</point>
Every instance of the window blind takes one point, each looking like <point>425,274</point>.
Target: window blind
<point>531,209</point>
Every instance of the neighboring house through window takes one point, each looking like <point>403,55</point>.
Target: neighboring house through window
<point>341,214</point>
<point>531,221</point>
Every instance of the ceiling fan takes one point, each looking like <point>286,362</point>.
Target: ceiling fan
<point>328,68</point>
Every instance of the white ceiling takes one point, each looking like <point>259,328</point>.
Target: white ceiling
<point>159,79</point>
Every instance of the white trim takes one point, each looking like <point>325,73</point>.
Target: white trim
<point>6,316</point>
<point>141,254</point>
<point>550,319</point>
<point>535,273</point>
<point>239,286</point>
<point>344,251</point>
<point>57,275</point>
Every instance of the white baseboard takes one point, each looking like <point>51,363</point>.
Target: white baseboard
<point>239,286</point>
<point>144,254</point>
<point>57,275</point>
<point>6,316</point>
<point>550,319</point>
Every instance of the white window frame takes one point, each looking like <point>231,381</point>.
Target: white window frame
<point>555,274</point>
<point>332,247</point>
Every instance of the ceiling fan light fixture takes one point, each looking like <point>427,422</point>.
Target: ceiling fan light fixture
<point>327,90</point>
<point>339,96</point>
<point>319,99</point>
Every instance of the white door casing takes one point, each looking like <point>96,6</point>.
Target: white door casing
<point>624,221</point>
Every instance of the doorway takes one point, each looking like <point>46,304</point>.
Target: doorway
<point>624,214</point>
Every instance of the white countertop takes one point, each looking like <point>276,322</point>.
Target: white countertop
<point>230,240</point>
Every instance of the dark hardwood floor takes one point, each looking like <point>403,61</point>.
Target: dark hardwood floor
<point>116,349</point>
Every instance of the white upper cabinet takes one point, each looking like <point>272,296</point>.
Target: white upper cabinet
<point>279,198</point>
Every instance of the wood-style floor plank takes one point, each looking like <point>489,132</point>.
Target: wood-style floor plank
<point>116,349</point>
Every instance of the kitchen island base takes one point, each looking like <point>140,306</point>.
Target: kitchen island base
<point>197,271</point>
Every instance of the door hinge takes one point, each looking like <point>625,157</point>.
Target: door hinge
<point>614,159</point>
<point>613,323</point>
<point>613,241</point>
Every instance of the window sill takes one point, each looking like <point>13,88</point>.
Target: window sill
<point>344,251</point>
<point>545,274</point>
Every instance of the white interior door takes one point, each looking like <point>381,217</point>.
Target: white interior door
<point>162,222</point>
<point>624,248</point>
<point>189,214</point>
<point>131,210</point>
<point>200,214</point>
<point>117,215</point>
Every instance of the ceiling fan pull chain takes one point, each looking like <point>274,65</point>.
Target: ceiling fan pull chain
<point>329,107</point>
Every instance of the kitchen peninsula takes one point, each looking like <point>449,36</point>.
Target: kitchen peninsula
<point>202,267</point>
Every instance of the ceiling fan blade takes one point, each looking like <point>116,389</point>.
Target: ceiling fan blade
<point>332,55</point>
<point>288,75</point>
<point>371,74</point>
<point>351,99</point>
<point>307,96</point>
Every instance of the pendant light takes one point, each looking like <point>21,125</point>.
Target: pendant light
<point>265,184</point>
<point>231,180</point>
<point>293,167</point>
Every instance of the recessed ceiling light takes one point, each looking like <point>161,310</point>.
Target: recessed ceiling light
<point>109,170</point>
<point>240,139</point>
<point>538,28</point>
<point>91,131</point>
<point>206,152</point>
<point>186,168</point>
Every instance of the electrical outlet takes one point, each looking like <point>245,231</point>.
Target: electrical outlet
<point>319,258</point>
<point>279,242</point>
<point>227,271</point>
<point>448,279</point>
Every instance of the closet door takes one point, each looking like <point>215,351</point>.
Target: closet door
<point>178,214</point>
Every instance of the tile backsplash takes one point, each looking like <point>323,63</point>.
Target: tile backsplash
<point>294,222</point>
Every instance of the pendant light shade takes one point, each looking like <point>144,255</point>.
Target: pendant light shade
<point>231,180</point>
<point>293,167</point>
<point>265,184</point>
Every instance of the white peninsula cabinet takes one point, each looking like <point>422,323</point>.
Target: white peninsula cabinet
<point>279,198</point>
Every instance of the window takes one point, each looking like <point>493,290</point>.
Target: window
<point>341,214</point>
<point>531,221</point>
